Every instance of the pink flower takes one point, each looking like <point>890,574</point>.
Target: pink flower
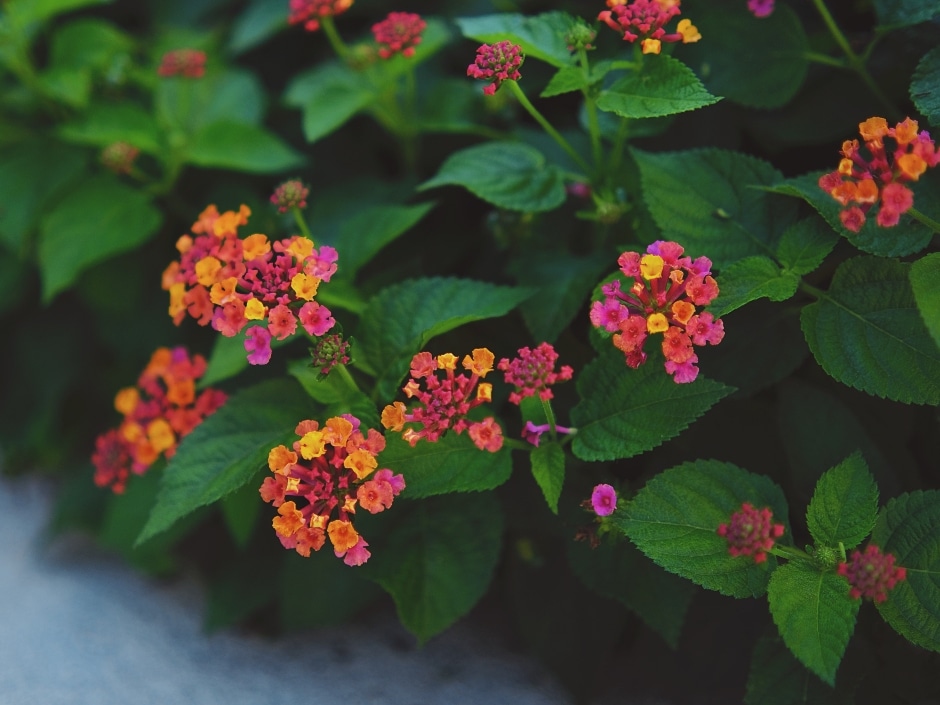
<point>258,345</point>
<point>497,62</point>
<point>188,63</point>
<point>290,194</point>
<point>644,20</point>
<point>315,318</point>
<point>533,372</point>
<point>760,8</point>
<point>662,297</point>
<point>400,32</point>
<point>357,555</point>
<point>604,500</point>
<point>751,532</point>
<point>486,435</point>
<point>310,12</point>
<point>532,433</point>
<point>871,574</point>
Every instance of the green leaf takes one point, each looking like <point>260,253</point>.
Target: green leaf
<point>759,64</point>
<point>541,36</point>
<point>845,504</point>
<point>67,85</point>
<point>925,86</point>
<point>368,230</point>
<point>440,560</point>
<point>71,241</point>
<point>814,617</point>
<point>625,412</point>
<point>925,273</point>
<point>88,43</point>
<point>907,237</point>
<point>664,86</point>
<point>259,21</point>
<point>227,450</point>
<point>909,528</point>
<point>777,678</point>
<point>901,13</point>
<point>572,78</point>
<point>548,469</point>
<point>867,333</point>
<point>706,201</point>
<point>241,147</point>
<point>32,174</point>
<point>564,283</point>
<point>804,245</point>
<point>617,570</point>
<point>509,175</point>
<point>674,520</point>
<point>28,11</point>
<point>401,319</point>
<point>451,464</point>
<point>329,95</point>
<point>105,123</point>
<point>753,278</point>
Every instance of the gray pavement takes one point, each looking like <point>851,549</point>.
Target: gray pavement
<point>77,627</point>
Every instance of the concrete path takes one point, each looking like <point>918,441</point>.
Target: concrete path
<point>78,627</point>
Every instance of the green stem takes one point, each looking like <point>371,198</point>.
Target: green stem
<point>549,415</point>
<point>857,64</point>
<point>513,444</point>
<point>301,223</point>
<point>620,139</point>
<point>921,218</point>
<point>347,378</point>
<point>824,59</point>
<point>336,41</point>
<point>547,126</point>
<point>590,107</point>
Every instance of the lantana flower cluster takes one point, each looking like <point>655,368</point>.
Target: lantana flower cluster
<point>645,20</point>
<point>330,470</point>
<point>158,412</point>
<point>445,400</point>
<point>497,62</point>
<point>310,12</point>
<point>871,574</point>
<point>532,372</point>
<point>188,63</point>
<point>859,182</point>
<point>399,33</point>
<point>119,157</point>
<point>230,282</point>
<point>751,532</point>
<point>663,297</point>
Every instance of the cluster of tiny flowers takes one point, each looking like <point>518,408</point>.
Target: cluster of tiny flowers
<point>497,63</point>
<point>227,281</point>
<point>188,63</point>
<point>662,299</point>
<point>399,33</point>
<point>645,20</point>
<point>760,8</point>
<point>330,350</point>
<point>533,372</point>
<point>290,194</point>
<point>329,469</point>
<point>880,178</point>
<point>310,12</point>
<point>604,500</point>
<point>160,410</point>
<point>751,532</point>
<point>445,401</point>
<point>871,574</point>
<point>119,157</point>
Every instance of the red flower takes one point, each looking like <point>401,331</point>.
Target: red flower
<point>751,532</point>
<point>497,63</point>
<point>871,574</point>
<point>399,33</point>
